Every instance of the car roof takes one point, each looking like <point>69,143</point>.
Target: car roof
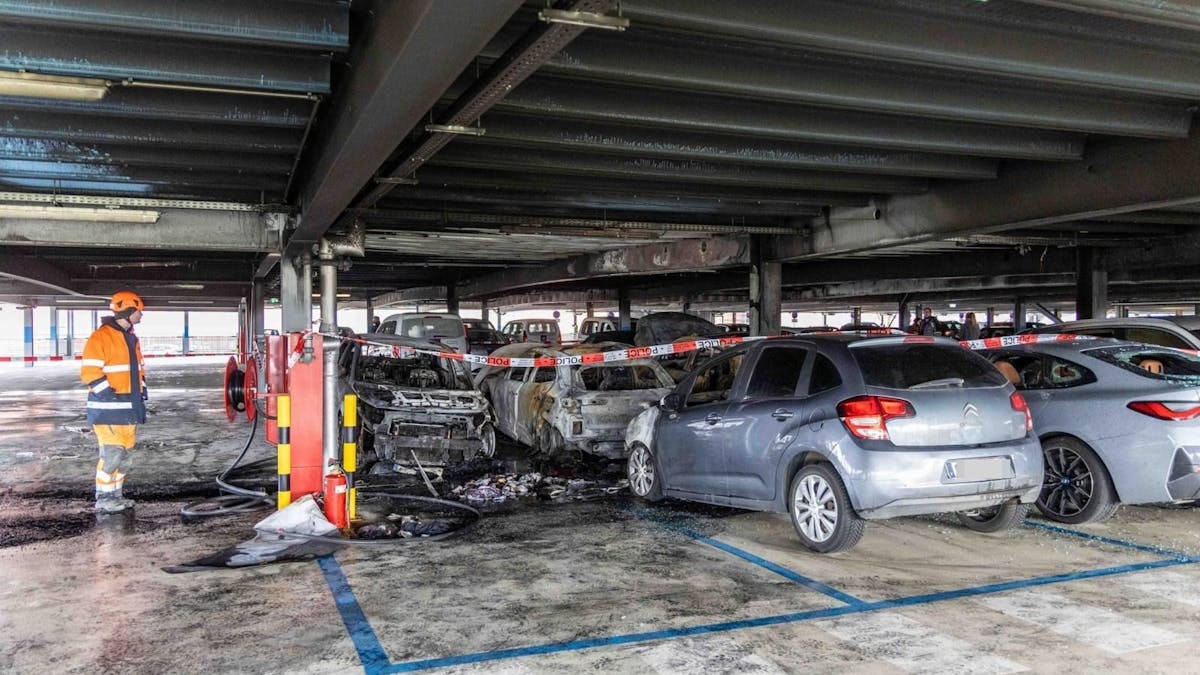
<point>1069,346</point>
<point>403,341</point>
<point>1163,322</point>
<point>409,315</point>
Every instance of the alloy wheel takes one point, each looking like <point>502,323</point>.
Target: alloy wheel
<point>641,471</point>
<point>1067,485</point>
<point>815,508</point>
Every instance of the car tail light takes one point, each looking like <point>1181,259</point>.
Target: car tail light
<point>1019,404</point>
<point>867,416</point>
<point>1173,411</point>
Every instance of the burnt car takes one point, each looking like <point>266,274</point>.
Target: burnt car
<point>415,406</point>
<point>578,408</point>
<point>664,327</point>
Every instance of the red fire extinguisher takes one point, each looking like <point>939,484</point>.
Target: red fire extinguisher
<point>335,497</point>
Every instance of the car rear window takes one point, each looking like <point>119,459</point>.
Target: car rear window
<point>1156,364</point>
<point>431,327</point>
<point>909,365</point>
<point>484,336</point>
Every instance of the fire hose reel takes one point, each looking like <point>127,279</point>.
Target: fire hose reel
<point>241,389</point>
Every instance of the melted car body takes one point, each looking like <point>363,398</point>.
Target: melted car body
<point>571,408</point>
<point>416,407</point>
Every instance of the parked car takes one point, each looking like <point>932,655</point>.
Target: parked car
<point>544,331</point>
<point>621,336</point>
<point>412,404</point>
<point>448,329</point>
<point>593,324</point>
<point>742,328</point>
<point>1119,423</point>
<point>808,330</point>
<point>837,429</point>
<point>477,324</point>
<point>571,408</point>
<point>1002,328</point>
<point>665,327</point>
<point>1181,332</point>
<point>484,341</point>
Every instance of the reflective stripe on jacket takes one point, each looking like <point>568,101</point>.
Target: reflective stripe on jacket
<point>113,371</point>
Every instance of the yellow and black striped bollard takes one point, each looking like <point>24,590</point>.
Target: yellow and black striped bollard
<point>350,451</point>
<point>283,418</point>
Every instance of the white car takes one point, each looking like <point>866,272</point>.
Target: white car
<point>447,329</point>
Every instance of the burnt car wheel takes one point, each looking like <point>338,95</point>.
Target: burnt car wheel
<point>1076,487</point>
<point>995,518</point>
<point>821,511</point>
<point>487,434</point>
<point>645,480</point>
<point>549,442</point>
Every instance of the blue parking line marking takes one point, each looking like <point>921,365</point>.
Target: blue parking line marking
<point>1108,540</point>
<point>795,617</point>
<point>782,571</point>
<point>370,651</point>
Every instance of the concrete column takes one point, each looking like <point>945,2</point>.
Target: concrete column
<point>766,291</point>
<point>1091,286</point>
<point>258,314</point>
<point>624,309</point>
<point>56,349</point>
<point>187,332</point>
<point>1018,315</point>
<point>991,316</point>
<point>856,315</point>
<point>29,335</point>
<point>452,299</point>
<point>295,293</point>
<point>95,320</point>
<point>371,314</point>
<point>70,332</point>
<point>1125,311</point>
<point>902,318</point>
<point>591,311</point>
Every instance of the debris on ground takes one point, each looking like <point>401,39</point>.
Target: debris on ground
<point>499,488</point>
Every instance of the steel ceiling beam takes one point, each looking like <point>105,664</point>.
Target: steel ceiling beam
<point>13,148</point>
<point>320,26</point>
<point>136,190</point>
<point>176,229</point>
<point>558,134</point>
<point>180,106</point>
<point>107,173</point>
<point>37,271</point>
<point>703,111</point>
<point>996,45</point>
<point>121,57</point>
<point>614,166</point>
<point>676,256</point>
<point>1115,176</point>
<point>713,66</point>
<point>1172,13</point>
<point>442,178</point>
<point>401,67</point>
<point>83,129</point>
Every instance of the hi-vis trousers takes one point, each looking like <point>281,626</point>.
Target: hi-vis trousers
<point>116,454</point>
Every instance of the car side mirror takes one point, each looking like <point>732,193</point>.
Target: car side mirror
<point>669,402</point>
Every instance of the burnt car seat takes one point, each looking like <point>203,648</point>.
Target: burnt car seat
<point>1151,365</point>
<point>1009,371</point>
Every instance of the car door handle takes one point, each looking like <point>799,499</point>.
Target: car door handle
<point>782,414</point>
<point>712,418</point>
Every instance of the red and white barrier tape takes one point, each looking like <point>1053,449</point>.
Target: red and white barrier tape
<point>32,359</point>
<point>1014,340</point>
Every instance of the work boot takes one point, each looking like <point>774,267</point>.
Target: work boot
<point>111,505</point>
<point>120,498</point>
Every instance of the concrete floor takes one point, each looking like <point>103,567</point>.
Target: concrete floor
<point>600,586</point>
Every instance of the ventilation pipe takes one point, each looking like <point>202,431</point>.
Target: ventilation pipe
<point>329,249</point>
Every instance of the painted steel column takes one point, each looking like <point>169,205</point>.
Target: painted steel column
<point>902,319</point>
<point>329,427</point>
<point>1091,286</point>
<point>591,310</point>
<point>451,299</point>
<point>371,314</point>
<point>28,335</point>
<point>766,290</point>
<point>95,320</point>
<point>991,316</point>
<point>56,351</point>
<point>258,316</point>
<point>70,332</point>
<point>187,333</point>
<point>624,309</point>
<point>295,291</point>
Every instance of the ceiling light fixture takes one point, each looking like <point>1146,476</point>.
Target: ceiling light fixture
<point>52,86</point>
<point>90,215</point>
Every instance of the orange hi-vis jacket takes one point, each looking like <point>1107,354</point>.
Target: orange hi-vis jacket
<point>114,373</point>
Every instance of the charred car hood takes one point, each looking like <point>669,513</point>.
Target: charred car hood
<point>407,398</point>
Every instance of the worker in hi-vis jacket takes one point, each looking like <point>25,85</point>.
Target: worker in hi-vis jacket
<point>115,377</point>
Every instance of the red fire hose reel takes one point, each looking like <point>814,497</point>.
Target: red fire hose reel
<point>241,389</point>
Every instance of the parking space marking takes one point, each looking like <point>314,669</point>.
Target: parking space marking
<point>1108,540</point>
<point>1181,588</point>
<point>710,655</point>
<point>782,571</point>
<point>370,651</point>
<point>914,647</point>
<point>1097,626</point>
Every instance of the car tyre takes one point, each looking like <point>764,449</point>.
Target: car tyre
<point>995,518</point>
<point>821,511</point>
<point>1076,487</point>
<point>645,478</point>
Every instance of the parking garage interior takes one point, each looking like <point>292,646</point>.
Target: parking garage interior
<point>1022,159</point>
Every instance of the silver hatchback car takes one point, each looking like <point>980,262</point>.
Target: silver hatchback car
<point>837,429</point>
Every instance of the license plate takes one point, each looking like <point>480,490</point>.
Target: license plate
<point>979,469</point>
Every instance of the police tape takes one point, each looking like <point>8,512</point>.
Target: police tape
<point>79,357</point>
<point>1017,340</point>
